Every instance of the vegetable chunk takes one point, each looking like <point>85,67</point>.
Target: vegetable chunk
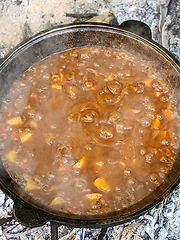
<point>56,86</point>
<point>25,136</point>
<point>156,123</point>
<point>31,186</point>
<point>102,184</point>
<point>15,121</point>
<point>80,163</point>
<point>93,196</point>
<point>147,81</point>
<point>11,156</point>
<point>57,201</point>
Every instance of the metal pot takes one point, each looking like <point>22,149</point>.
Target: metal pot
<point>60,39</point>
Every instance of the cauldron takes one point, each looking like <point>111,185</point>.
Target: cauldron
<point>59,39</point>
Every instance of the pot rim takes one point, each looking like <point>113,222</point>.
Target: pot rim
<point>88,26</point>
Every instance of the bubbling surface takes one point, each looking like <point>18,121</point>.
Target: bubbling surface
<point>89,131</point>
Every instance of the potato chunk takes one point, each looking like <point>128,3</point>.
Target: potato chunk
<point>57,81</point>
<point>93,196</point>
<point>11,156</point>
<point>80,163</point>
<point>15,121</point>
<point>57,201</point>
<point>158,93</point>
<point>56,86</point>
<point>25,136</point>
<point>102,184</point>
<point>31,186</point>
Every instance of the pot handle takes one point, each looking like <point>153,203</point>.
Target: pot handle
<point>29,216</point>
<point>137,27</point>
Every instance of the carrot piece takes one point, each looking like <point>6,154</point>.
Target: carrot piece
<point>14,134</point>
<point>94,88</point>
<point>134,111</point>
<point>167,152</point>
<point>85,78</point>
<point>162,134</point>
<point>170,133</point>
<point>33,95</point>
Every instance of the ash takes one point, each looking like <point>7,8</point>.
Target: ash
<point>22,19</point>
<point>162,222</point>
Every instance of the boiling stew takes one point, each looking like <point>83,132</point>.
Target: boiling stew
<point>89,131</point>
